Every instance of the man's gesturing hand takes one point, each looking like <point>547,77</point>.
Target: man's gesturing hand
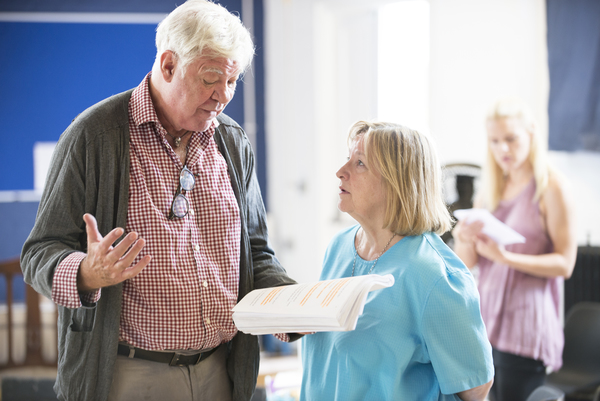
<point>105,264</point>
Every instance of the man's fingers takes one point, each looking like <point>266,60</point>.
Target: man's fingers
<point>121,248</point>
<point>106,265</point>
<point>91,228</point>
<point>135,270</point>
<point>128,258</point>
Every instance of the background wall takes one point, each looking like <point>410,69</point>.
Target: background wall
<point>59,70</point>
<point>321,69</point>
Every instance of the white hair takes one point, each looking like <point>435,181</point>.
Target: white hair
<point>202,28</point>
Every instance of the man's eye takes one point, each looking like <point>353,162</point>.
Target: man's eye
<point>232,83</point>
<point>209,83</point>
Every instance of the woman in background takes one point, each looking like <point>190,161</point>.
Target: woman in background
<point>423,338</point>
<point>520,284</point>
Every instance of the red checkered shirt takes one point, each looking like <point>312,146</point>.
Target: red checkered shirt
<point>183,298</point>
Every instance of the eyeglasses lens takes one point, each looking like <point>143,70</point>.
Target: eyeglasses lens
<point>186,179</point>
<point>181,205</point>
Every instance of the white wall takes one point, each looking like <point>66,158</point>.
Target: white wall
<point>581,170</point>
<point>481,50</point>
<point>321,77</point>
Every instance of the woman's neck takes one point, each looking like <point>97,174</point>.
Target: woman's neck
<point>516,180</point>
<point>371,243</point>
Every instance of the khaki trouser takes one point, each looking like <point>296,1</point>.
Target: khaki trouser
<point>138,379</point>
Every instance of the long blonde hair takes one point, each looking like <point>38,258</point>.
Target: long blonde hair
<point>408,164</point>
<point>495,179</point>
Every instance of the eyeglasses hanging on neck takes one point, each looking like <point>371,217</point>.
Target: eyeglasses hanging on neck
<point>180,206</point>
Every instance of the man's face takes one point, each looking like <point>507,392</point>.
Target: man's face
<point>192,99</point>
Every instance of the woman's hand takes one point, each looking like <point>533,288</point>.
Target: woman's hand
<point>558,212</point>
<point>465,239</point>
<point>467,232</point>
<point>490,249</point>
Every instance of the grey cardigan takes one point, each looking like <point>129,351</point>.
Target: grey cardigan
<point>89,173</point>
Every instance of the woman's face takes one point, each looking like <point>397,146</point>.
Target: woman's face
<point>362,193</point>
<point>510,143</point>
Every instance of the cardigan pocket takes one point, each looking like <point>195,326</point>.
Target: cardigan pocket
<point>83,319</point>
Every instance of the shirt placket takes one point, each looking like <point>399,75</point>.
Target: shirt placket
<point>198,145</point>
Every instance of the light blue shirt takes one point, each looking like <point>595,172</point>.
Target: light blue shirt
<point>419,340</point>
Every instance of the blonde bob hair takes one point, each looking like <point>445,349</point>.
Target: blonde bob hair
<point>202,28</point>
<point>494,182</point>
<point>407,162</point>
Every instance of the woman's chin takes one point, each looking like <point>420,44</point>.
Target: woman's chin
<point>342,208</point>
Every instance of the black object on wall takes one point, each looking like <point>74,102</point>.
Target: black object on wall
<point>574,65</point>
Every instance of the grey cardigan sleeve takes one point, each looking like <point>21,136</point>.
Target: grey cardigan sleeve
<point>89,173</point>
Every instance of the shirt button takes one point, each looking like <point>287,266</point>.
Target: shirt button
<point>191,211</point>
<point>205,283</point>
<point>196,247</point>
<point>207,320</point>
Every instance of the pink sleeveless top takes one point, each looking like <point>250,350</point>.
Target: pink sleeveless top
<point>522,312</point>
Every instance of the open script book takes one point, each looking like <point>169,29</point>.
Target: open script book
<point>329,305</point>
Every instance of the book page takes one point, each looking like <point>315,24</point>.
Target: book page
<point>320,306</point>
<point>492,227</point>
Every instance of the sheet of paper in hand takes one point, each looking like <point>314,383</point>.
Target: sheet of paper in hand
<point>492,227</point>
<point>329,305</point>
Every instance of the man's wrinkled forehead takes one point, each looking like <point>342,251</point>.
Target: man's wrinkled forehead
<point>208,70</point>
<point>232,71</point>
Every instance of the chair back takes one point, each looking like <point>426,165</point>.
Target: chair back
<point>546,393</point>
<point>33,354</point>
<point>582,339</point>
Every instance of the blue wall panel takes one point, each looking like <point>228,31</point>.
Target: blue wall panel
<point>53,71</point>
<point>57,71</point>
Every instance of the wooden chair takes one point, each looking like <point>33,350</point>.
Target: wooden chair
<point>33,354</point>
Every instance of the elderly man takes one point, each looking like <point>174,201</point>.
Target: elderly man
<point>151,227</point>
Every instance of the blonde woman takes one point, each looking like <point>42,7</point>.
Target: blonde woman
<point>520,284</point>
<point>422,339</point>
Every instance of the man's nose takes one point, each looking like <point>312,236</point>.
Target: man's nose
<point>222,94</point>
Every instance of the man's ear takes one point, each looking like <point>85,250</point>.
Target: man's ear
<point>168,62</point>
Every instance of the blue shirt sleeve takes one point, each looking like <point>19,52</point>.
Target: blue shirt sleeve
<point>455,336</point>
